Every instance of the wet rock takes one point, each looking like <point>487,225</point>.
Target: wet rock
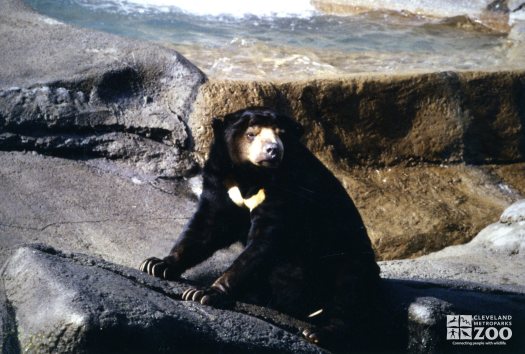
<point>57,80</point>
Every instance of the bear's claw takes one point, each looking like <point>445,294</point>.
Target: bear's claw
<point>209,296</point>
<point>157,268</point>
<point>310,335</point>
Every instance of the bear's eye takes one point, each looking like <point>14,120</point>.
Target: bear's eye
<point>250,135</point>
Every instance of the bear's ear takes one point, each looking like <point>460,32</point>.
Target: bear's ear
<point>292,127</point>
<point>233,119</point>
<point>218,126</point>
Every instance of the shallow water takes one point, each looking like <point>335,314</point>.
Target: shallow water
<point>292,39</point>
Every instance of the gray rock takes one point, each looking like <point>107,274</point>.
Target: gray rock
<point>91,306</point>
<point>8,332</point>
<point>513,214</point>
<point>100,206</point>
<point>96,306</point>
<point>71,91</point>
<point>426,316</point>
<point>502,240</point>
<point>85,94</point>
<point>107,209</point>
<point>419,312</point>
<point>487,270</point>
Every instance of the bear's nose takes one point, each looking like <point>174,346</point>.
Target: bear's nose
<point>272,150</point>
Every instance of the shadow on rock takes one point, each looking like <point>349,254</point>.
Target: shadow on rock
<point>95,306</point>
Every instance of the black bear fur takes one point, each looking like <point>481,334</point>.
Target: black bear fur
<point>306,247</point>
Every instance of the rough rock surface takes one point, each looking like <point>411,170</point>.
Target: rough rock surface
<point>96,306</point>
<point>414,210</point>
<point>401,145</point>
<point>69,91</point>
<point>495,257</point>
<point>379,120</point>
<point>102,208</point>
<point>514,214</point>
<point>90,208</point>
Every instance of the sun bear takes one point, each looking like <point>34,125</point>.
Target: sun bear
<point>307,252</point>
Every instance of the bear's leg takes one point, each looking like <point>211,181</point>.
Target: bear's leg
<point>233,281</point>
<point>347,319</point>
<point>256,258</point>
<point>216,224</point>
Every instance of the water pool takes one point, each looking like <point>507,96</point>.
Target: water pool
<point>301,39</point>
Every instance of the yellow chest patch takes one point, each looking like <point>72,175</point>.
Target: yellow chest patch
<point>251,203</point>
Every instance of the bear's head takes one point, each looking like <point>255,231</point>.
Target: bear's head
<point>257,136</point>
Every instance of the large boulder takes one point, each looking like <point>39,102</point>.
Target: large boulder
<point>82,93</point>
<point>57,302</point>
<point>75,303</point>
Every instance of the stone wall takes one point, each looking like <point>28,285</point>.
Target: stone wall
<point>448,117</point>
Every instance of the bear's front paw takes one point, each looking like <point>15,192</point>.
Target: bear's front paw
<point>311,335</point>
<point>159,268</point>
<point>330,335</point>
<point>209,296</point>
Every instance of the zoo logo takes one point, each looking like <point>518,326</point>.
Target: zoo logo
<point>479,328</point>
